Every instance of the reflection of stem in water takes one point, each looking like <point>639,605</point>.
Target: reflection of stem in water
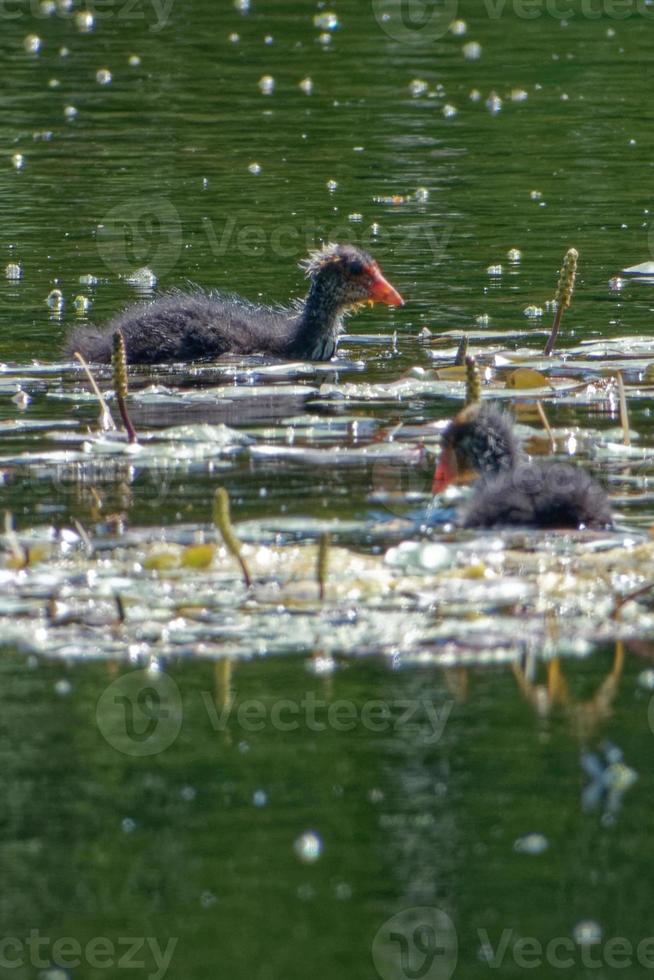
<point>224,691</point>
<point>546,425</point>
<point>223,678</point>
<point>456,681</point>
<point>586,715</point>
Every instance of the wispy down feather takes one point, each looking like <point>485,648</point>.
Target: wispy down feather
<point>332,252</point>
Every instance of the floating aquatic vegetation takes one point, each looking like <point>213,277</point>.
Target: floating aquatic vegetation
<point>183,593</point>
<point>188,598</point>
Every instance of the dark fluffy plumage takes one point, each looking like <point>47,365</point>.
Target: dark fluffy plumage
<point>187,326</point>
<point>534,494</point>
<point>482,440</point>
<point>514,491</point>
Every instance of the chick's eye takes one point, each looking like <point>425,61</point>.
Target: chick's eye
<point>356,268</point>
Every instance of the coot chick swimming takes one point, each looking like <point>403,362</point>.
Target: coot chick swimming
<point>185,326</point>
<point>513,491</point>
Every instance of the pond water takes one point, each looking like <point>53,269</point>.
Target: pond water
<point>441,769</point>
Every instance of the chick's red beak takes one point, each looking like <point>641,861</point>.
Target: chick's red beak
<point>445,472</point>
<point>381,290</point>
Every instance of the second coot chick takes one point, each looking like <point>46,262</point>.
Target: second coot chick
<point>513,491</point>
<point>187,326</point>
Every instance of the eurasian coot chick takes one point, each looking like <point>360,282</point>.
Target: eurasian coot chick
<point>514,491</point>
<point>186,326</point>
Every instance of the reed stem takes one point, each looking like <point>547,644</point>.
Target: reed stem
<point>224,524</point>
<point>473,381</point>
<point>563,299</point>
<point>119,368</point>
